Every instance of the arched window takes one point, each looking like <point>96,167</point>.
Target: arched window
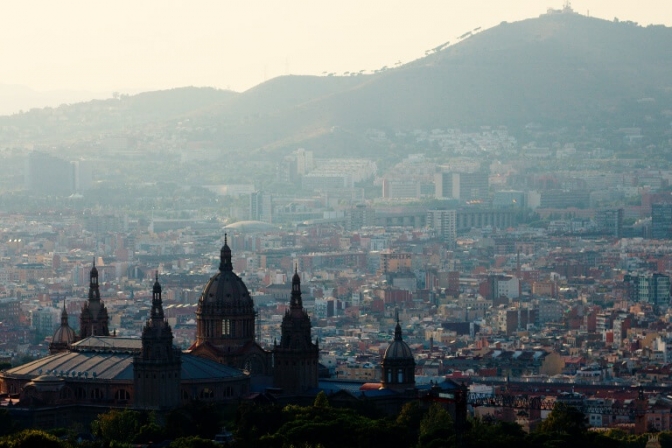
<point>80,393</point>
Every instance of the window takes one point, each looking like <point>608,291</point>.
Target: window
<point>226,327</point>
<point>122,395</point>
<point>207,393</point>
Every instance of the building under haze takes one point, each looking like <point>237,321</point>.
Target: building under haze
<point>51,175</point>
<point>463,186</point>
<point>46,174</point>
<point>261,206</point>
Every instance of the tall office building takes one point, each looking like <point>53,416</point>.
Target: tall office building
<point>444,222</point>
<point>261,207</point>
<point>661,221</point>
<point>463,186</point>
<point>359,216</point>
<point>649,288</point>
<point>447,185</point>
<point>474,186</point>
<point>82,171</point>
<point>304,161</point>
<point>47,174</point>
<point>610,221</point>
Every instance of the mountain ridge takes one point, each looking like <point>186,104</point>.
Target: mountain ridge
<point>558,69</point>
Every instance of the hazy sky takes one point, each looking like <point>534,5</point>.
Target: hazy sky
<point>132,45</point>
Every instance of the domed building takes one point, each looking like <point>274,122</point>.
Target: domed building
<point>94,371</point>
<point>225,322</point>
<point>398,364</point>
<point>103,372</point>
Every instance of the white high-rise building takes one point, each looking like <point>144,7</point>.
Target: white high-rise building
<point>444,222</point>
<point>261,207</point>
<point>304,161</point>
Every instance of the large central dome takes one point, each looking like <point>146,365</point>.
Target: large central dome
<point>225,315</point>
<point>225,289</point>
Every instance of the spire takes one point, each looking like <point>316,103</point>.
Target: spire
<point>225,257</point>
<point>64,315</point>
<point>397,329</point>
<point>296,301</point>
<point>94,292</point>
<point>157,303</point>
<point>157,285</point>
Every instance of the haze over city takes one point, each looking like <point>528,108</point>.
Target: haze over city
<point>140,46</point>
<point>336,224</point>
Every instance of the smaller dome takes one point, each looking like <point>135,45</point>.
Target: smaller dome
<point>46,383</point>
<point>48,379</point>
<point>398,350</point>
<point>64,334</point>
<point>252,227</point>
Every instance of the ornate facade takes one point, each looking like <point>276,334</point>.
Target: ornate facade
<point>296,357</point>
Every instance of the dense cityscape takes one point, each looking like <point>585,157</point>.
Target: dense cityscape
<point>455,282</point>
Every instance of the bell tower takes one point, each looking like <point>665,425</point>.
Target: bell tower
<point>93,320</point>
<point>157,369</point>
<point>296,357</point>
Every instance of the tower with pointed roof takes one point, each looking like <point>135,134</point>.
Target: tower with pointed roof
<point>93,320</point>
<point>296,357</point>
<point>64,335</point>
<point>225,321</point>
<point>398,363</point>
<point>157,368</point>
